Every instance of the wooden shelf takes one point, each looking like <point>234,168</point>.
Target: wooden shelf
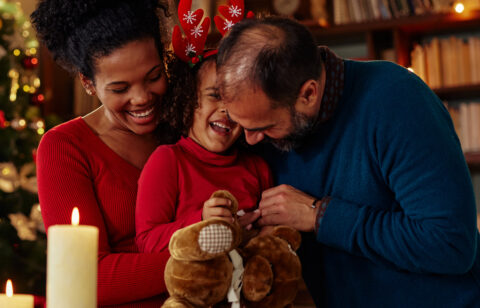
<point>473,160</point>
<point>459,92</point>
<point>426,23</point>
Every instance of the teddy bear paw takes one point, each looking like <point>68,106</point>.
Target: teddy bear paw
<point>204,240</point>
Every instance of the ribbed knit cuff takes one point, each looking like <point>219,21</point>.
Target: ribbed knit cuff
<point>322,207</point>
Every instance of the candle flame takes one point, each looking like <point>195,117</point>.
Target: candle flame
<point>9,288</point>
<point>75,216</point>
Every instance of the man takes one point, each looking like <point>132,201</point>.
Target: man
<point>370,169</point>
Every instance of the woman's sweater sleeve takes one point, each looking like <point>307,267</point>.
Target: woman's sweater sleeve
<point>64,182</point>
<point>157,197</point>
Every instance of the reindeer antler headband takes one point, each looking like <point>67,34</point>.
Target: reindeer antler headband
<point>191,47</point>
<point>232,13</point>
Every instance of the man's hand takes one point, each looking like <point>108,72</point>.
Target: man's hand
<point>285,205</point>
<point>246,220</point>
<point>217,208</point>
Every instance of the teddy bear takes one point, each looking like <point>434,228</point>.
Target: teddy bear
<point>206,255</point>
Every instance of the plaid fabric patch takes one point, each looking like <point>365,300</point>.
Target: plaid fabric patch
<point>215,238</point>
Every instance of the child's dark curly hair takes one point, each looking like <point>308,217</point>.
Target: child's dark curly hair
<point>77,32</point>
<point>183,92</point>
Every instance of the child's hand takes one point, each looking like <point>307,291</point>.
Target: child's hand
<point>217,208</point>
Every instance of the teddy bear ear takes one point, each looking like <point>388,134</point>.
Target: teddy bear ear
<point>226,194</point>
<point>204,240</point>
<point>288,234</point>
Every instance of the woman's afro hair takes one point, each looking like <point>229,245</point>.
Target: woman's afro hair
<point>76,32</point>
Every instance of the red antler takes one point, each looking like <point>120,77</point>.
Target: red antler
<point>232,13</point>
<point>190,47</point>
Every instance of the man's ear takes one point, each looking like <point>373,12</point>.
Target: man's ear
<point>307,101</point>
<point>87,84</point>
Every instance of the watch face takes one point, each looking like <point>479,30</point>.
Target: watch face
<point>286,7</point>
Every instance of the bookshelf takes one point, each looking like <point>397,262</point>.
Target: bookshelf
<point>399,35</point>
<point>403,31</point>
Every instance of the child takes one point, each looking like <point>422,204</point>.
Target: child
<point>177,180</point>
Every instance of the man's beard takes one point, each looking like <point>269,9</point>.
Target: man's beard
<point>302,125</point>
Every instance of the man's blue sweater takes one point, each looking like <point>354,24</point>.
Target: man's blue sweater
<point>400,229</point>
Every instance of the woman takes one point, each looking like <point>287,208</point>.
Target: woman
<point>93,162</point>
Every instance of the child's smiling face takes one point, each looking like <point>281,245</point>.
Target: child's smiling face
<point>211,127</point>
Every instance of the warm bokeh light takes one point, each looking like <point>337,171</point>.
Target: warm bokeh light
<point>36,82</point>
<point>75,216</point>
<point>459,7</point>
<point>13,74</point>
<point>9,288</point>
<point>6,171</point>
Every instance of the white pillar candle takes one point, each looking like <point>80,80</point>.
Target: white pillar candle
<point>72,265</point>
<point>9,300</point>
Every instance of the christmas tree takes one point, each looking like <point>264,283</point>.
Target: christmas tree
<point>22,237</point>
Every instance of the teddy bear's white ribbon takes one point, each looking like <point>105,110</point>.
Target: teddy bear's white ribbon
<point>237,279</point>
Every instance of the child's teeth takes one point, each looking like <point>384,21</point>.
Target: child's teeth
<point>220,125</point>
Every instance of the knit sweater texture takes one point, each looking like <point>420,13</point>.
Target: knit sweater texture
<point>178,179</point>
<point>400,229</point>
<point>76,169</point>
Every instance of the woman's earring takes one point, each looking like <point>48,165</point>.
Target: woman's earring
<point>89,92</point>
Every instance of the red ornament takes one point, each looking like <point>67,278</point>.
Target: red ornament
<point>38,99</point>
<point>2,119</point>
<point>30,62</point>
<point>250,15</point>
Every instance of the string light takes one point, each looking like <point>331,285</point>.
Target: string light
<point>459,7</point>
<point>6,171</point>
<point>16,52</point>
<point>14,75</point>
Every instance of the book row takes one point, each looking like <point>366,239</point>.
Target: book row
<point>356,11</point>
<point>466,119</point>
<point>448,62</point>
